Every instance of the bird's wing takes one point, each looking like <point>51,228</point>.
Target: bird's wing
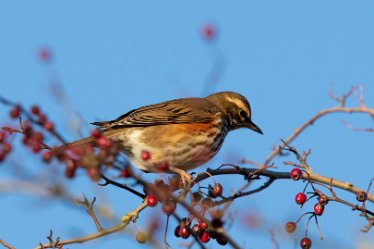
<point>187,110</point>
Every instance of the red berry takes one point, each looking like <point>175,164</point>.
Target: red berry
<point>318,209</point>
<point>185,232</point>
<point>305,243</point>
<point>208,31</point>
<point>38,136</point>
<point>290,227</point>
<point>42,118</point>
<point>361,196</point>
<point>36,148</point>
<point>177,231</point>
<point>296,174</point>
<point>104,143</point>
<point>15,112</point>
<point>2,155</point>
<point>47,156</point>
<point>49,126</point>
<point>125,173</point>
<point>205,237</point>
<point>145,155</point>
<point>300,198</point>
<point>151,201</point>
<point>222,240</point>
<point>7,148</point>
<point>203,225</point>
<point>216,190</point>
<point>164,166</point>
<point>35,109</point>
<point>44,54</point>
<point>2,136</point>
<point>96,133</point>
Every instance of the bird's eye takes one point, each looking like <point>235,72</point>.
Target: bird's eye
<point>243,114</point>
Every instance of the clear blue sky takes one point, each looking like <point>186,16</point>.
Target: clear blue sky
<point>115,56</point>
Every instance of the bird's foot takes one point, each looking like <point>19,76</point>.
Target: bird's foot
<point>185,178</point>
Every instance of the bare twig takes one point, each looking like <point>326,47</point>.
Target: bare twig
<point>91,212</point>
<point>6,244</point>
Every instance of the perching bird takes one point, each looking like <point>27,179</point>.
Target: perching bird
<point>182,133</point>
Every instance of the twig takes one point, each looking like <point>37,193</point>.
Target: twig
<point>91,212</point>
<point>6,244</point>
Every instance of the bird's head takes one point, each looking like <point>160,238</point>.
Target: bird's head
<point>236,109</point>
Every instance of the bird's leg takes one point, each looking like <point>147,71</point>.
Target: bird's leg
<point>186,179</point>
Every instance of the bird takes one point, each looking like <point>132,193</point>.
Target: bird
<point>182,133</point>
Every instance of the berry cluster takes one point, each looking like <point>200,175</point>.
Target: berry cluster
<point>200,230</point>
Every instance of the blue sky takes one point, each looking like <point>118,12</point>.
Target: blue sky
<point>114,56</point>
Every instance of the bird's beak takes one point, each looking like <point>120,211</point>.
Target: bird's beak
<point>254,127</point>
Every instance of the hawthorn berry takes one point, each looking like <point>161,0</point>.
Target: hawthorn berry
<point>197,230</point>
<point>44,54</point>
<point>2,136</point>
<point>15,111</point>
<point>205,237</point>
<point>323,199</point>
<point>35,109</point>
<point>217,223</point>
<point>7,148</point>
<point>203,225</point>
<point>296,174</point>
<point>305,243</point>
<point>222,240</point>
<point>184,232</point>
<point>318,209</point>
<point>2,155</point>
<point>300,198</point>
<point>177,231</point>
<point>151,201</point>
<point>207,202</point>
<point>216,190</point>
<point>208,32</point>
<point>164,166</point>
<point>361,196</point>
<point>290,227</point>
<point>49,126</point>
<point>104,143</point>
<point>96,133</point>
<point>126,172</point>
<point>145,155</point>
<point>47,156</point>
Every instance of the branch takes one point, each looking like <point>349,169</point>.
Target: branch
<point>296,133</point>
<point>6,244</point>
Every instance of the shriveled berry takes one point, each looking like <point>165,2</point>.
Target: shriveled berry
<point>305,243</point>
<point>290,227</point>
<point>205,237</point>
<point>217,223</point>
<point>222,240</point>
<point>197,197</point>
<point>216,190</point>
<point>185,232</point>
<point>15,112</point>
<point>151,201</point>
<point>141,237</point>
<point>177,231</point>
<point>35,109</point>
<point>145,155</point>
<point>300,198</point>
<point>296,174</point>
<point>207,202</point>
<point>318,209</point>
<point>168,207</point>
<point>323,199</point>
<point>361,196</point>
<point>197,230</point>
